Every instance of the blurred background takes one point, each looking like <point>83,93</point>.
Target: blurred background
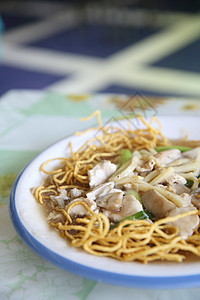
<point>112,46</point>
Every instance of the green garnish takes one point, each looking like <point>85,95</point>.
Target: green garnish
<point>181,148</point>
<point>189,183</point>
<point>126,155</point>
<point>141,215</point>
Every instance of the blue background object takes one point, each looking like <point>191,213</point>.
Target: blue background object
<point>86,46</point>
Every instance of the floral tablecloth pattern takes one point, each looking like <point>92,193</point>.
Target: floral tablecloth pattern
<point>29,122</point>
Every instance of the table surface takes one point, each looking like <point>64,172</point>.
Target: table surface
<point>108,47</point>
<point>29,122</point>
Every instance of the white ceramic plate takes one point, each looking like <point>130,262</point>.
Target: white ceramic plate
<point>28,219</point>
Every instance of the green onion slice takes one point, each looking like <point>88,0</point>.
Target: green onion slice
<point>181,148</point>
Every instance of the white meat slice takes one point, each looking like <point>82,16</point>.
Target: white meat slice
<point>175,178</point>
<point>79,210</point>
<point>75,193</point>
<point>112,200</point>
<point>165,157</point>
<point>186,225</point>
<point>101,172</point>
<point>60,198</point>
<point>181,188</point>
<point>191,153</point>
<point>146,166</point>
<point>100,190</point>
<point>53,216</point>
<point>130,206</point>
<point>156,203</point>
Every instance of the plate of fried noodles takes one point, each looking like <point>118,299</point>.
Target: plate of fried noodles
<point>118,203</point>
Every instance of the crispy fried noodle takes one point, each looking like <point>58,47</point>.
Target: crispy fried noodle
<point>130,194</point>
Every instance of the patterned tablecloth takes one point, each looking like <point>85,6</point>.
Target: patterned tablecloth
<point>29,122</point>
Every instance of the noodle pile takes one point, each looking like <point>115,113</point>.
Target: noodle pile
<point>131,240</point>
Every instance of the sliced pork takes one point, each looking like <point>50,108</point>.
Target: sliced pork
<point>156,203</point>
<point>101,172</point>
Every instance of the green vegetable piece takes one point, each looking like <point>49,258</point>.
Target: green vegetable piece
<point>135,194</point>
<point>141,215</point>
<point>126,156</point>
<point>189,183</point>
<point>163,148</point>
<point>149,214</point>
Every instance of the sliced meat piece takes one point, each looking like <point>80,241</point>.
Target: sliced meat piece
<point>100,190</point>
<point>175,178</point>
<point>191,153</point>
<point>130,206</point>
<point>156,203</point>
<point>186,225</point>
<point>54,216</point>
<point>75,193</point>
<point>181,188</point>
<point>60,199</point>
<point>165,157</point>
<point>101,172</point>
<point>146,166</point>
<point>112,200</point>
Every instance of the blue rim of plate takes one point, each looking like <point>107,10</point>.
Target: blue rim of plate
<point>135,281</point>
